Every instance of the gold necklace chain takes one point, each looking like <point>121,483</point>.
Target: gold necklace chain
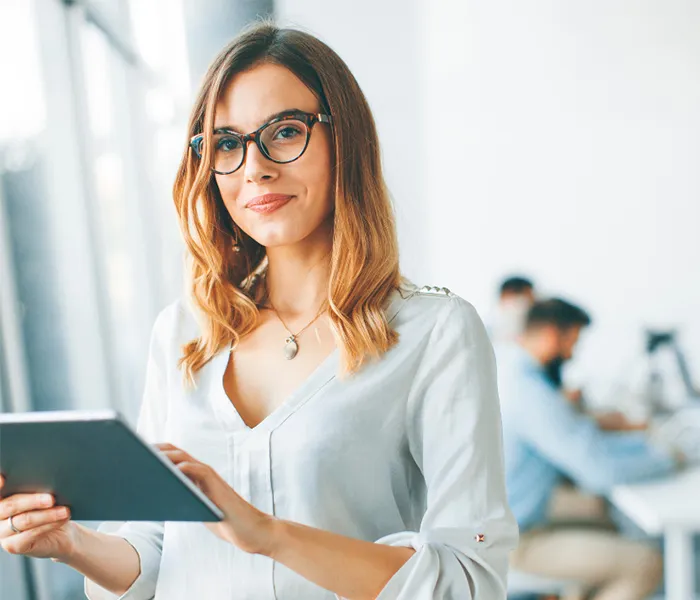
<point>291,347</point>
<point>318,314</point>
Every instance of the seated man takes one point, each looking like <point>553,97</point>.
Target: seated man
<point>545,438</point>
<point>515,296</point>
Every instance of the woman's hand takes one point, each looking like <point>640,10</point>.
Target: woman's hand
<point>45,530</point>
<point>243,525</point>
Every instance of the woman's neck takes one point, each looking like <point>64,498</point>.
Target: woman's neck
<point>297,276</point>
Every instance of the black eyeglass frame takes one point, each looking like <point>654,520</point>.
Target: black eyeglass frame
<point>309,119</point>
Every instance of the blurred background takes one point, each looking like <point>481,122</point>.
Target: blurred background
<point>556,140</point>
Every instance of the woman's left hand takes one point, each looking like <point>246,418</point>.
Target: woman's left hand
<point>243,524</point>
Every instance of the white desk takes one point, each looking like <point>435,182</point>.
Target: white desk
<point>668,507</point>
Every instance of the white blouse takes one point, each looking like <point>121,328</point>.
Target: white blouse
<point>407,452</point>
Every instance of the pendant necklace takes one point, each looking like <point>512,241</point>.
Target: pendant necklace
<point>291,346</point>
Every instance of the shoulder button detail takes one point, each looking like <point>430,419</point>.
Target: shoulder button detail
<point>434,291</point>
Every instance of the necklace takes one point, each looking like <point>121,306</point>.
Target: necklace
<point>291,347</point>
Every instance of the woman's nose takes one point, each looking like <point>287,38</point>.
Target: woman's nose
<point>257,166</point>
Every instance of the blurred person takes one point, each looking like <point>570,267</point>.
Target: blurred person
<point>385,481</point>
<point>545,438</point>
<point>515,296</point>
<point>517,287</point>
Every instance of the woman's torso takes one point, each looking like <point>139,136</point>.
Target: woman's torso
<point>333,455</point>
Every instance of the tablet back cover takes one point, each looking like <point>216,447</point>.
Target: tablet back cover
<point>100,469</point>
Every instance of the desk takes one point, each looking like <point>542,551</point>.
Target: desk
<point>668,507</point>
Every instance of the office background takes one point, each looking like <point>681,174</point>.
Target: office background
<point>558,139</point>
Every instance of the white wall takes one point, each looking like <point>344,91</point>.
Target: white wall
<point>557,139</point>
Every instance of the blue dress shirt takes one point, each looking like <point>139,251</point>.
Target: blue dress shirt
<point>545,437</point>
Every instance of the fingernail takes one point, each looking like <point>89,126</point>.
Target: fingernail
<point>63,512</point>
<point>47,500</point>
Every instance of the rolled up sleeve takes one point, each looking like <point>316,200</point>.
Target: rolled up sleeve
<point>147,539</point>
<point>454,428</point>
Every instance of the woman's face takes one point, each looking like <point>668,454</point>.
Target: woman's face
<point>303,200</point>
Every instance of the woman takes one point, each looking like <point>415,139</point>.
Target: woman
<point>346,423</point>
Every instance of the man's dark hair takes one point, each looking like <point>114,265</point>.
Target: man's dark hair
<point>516,285</point>
<point>557,312</point>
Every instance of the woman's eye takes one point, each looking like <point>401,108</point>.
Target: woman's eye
<point>228,144</point>
<point>287,132</point>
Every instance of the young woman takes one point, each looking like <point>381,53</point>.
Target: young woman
<point>346,422</point>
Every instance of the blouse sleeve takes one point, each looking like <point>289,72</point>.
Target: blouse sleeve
<point>145,537</point>
<point>454,431</point>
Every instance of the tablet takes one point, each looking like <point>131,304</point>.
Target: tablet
<point>94,463</point>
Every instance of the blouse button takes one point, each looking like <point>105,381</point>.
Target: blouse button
<point>479,537</point>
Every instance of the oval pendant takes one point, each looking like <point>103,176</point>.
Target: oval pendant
<point>291,348</point>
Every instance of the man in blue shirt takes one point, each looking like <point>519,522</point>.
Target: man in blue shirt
<point>546,438</point>
<point>515,296</point>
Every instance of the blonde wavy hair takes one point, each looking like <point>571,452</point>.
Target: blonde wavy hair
<point>224,261</point>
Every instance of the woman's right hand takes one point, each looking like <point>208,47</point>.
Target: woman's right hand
<point>46,531</point>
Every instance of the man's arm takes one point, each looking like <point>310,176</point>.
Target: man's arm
<point>578,447</point>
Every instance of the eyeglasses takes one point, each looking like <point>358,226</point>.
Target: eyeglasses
<point>282,140</point>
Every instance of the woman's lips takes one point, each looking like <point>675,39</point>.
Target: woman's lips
<point>268,203</point>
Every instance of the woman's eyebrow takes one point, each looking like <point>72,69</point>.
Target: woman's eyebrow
<point>286,111</point>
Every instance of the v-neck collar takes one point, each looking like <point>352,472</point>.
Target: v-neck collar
<point>231,418</point>
<point>327,370</point>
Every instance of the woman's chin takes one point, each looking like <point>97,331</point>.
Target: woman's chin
<point>277,239</point>
<point>277,235</point>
